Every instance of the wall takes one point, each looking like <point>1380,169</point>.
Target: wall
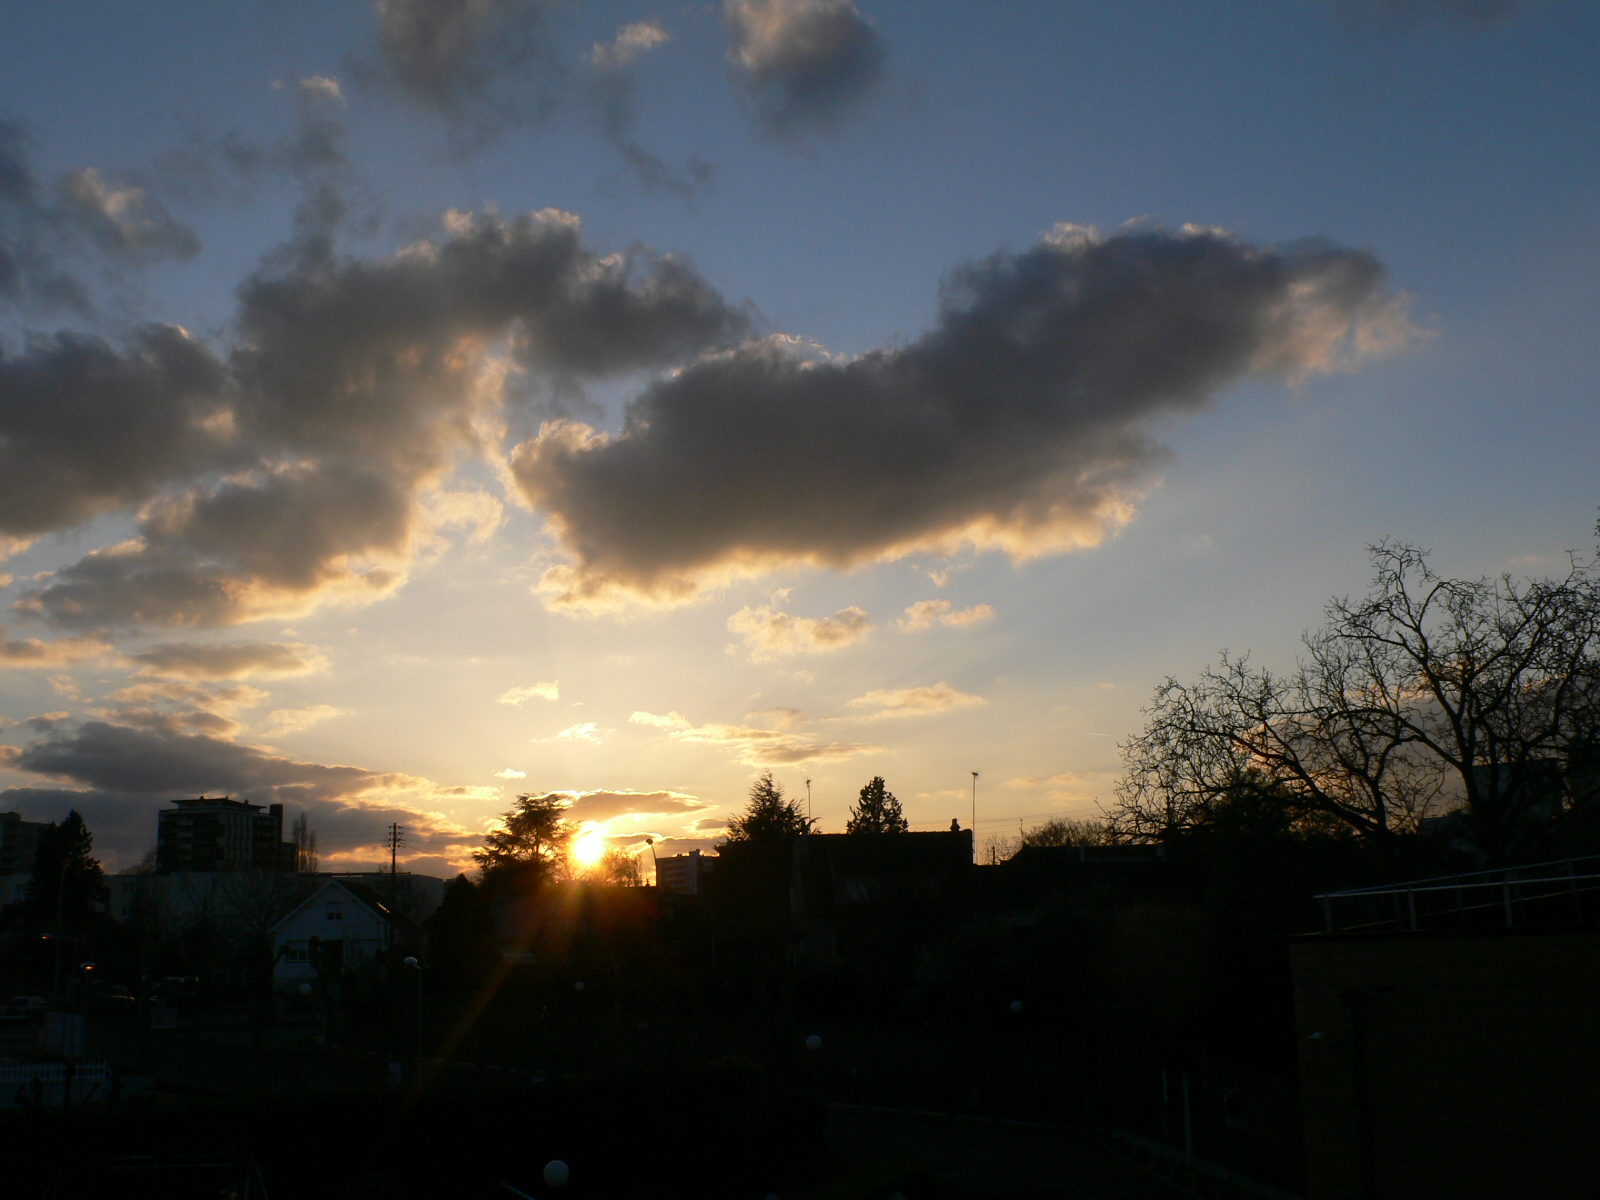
<point>1450,1065</point>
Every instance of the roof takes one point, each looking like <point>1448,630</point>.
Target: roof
<point>363,895</point>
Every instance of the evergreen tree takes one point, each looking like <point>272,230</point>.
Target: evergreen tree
<point>877,811</point>
<point>769,816</point>
<point>66,876</point>
<point>533,845</point>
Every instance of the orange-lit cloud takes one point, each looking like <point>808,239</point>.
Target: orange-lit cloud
<point>914,701</point>
<point>750,744</point>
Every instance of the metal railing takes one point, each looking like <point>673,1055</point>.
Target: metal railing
<point>1565,892</point>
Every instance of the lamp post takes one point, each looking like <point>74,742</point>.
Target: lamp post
<point>417,967</point>
<point>655,865</point>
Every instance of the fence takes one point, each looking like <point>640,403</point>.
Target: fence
<point>49,1083</point>
<point>1566,892</point>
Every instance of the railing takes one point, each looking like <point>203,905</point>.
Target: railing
<point>1565,892</point>
<point>89,1081</point>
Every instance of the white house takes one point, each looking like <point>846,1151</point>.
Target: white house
<point>342,926</point>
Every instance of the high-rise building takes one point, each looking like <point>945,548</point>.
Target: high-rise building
<point>19,842</point>
<point>222,834</point>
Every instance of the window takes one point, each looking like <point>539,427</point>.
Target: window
<point>335,915</point>
<point>295,952</point>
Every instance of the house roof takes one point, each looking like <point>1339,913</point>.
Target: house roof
<point>363,895</point>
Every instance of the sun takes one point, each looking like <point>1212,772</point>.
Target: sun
<point>586,851</point>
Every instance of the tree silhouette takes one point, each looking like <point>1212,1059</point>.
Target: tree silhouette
<point>305,845</point>
<point>66,876</point>
<point>618,867</point>
<point>533,845</point>
<point>877,811</point>
<point>1430,694</point>
<point>769,816</point>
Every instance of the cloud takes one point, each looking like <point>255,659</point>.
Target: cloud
<point>293,720</point>
<point>125,222</point>
<point>124,774</point>
<point>769,634</point>
<point>1069,785</point>
<point>604,805</point>
<point>324,500</point>
<point>925,614</point>
<point>633,41</point>
<point>509,773</point>
<point>228,660</point>
<point>87,428</point>
<point>915,701</point>
<point>755,746</point>
<point>612,84</point>
<point>84,217</point>
<point>33,653</point>
<point>1017,423</point>
<point>584,731</point>
<point>485,66</point>
<point>518,696</point>
<point>313,153</point>
<point>802,64</point>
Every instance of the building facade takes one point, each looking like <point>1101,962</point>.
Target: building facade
<point>342,926</point>
<point>222,834</point>
<point>19,842</point>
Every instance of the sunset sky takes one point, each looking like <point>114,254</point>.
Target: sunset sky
<point>405,405</point>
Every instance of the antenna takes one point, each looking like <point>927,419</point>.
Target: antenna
<point>974,816</point>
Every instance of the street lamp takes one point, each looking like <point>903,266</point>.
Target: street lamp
<point>417,967</point>
<point>655,865</point>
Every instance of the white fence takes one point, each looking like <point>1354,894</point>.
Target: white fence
<point>46,1083</point>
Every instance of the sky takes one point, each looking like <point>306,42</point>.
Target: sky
<point>405,405</point>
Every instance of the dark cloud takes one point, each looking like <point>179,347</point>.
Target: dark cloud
<point>227,660</point>
<point>87,428</point>
<point>126,773</point>
<point>803,64</point>
<point>1017,422</point>
<point>485,66</point>
<point>313,152</point>
<point>45,232</point>
<point>125,223</point>
<point>354,384</point>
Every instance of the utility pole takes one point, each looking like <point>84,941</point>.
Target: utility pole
<point>396,837</point>
<point>808,806</point>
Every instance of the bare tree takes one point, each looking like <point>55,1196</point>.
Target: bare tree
<point>305,845</point>
<point>1427,695</point>
<point>1065,831</point>
<point>619,868</point>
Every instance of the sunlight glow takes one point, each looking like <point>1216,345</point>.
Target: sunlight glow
<point>586,851</point>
